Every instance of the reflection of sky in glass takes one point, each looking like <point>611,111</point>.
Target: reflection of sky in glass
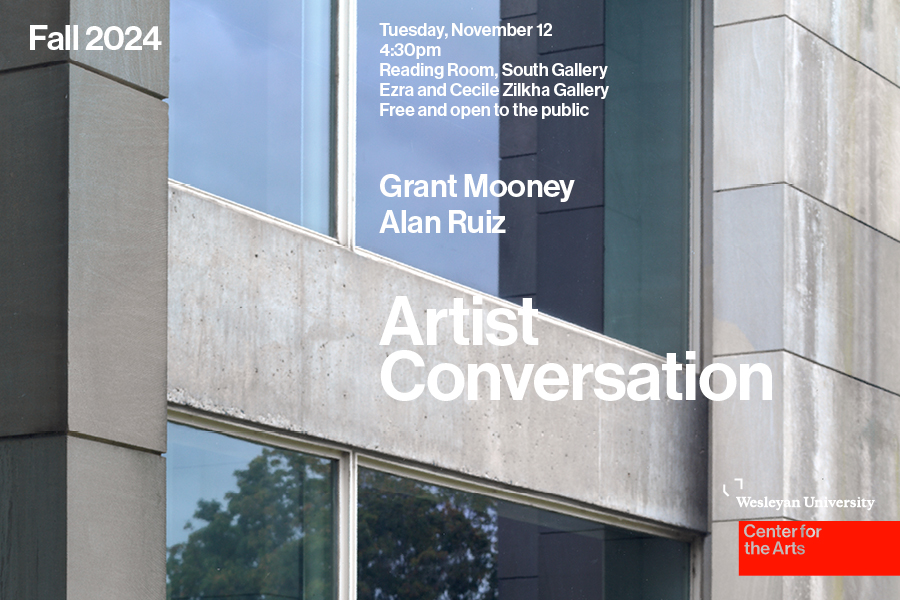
<point>250,93</point>
<point>426,147</point>
<point>199,465</point>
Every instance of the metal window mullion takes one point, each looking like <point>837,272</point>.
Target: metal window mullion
<point>345,151</point>
<point>701,231</point>
<point>346,538</point>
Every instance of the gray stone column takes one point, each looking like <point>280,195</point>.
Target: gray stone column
<point>83,164</point>
<point>807,272</point>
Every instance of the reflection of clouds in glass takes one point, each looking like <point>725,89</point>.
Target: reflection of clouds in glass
<point>426,147</point>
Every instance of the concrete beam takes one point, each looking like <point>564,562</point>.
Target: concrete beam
<point>278,325</point>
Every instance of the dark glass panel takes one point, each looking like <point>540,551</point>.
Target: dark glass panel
<point>419,541</point>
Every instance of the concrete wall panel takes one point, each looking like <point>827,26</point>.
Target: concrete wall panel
<point>280,326</point>
<point>117,262</point>
<point>791,108</point>
<point>824,435</point>
<point>748,104</point>
<point>842,132</point>
<point>145,68</point>
<point>866,30</point>
<point>749,439</point>
<point>32,530</point>
<point>844,280</point>
<point>33,234</point>
<point>748,270</point>
<point>830,296</point>
<point>116,522</point>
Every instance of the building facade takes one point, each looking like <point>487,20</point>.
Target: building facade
<point>131,301</point>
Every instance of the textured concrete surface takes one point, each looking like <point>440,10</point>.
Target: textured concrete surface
<point>83,309</point>
<point>866,30</point>
<point>793,273</point>
<point>146,68</point>
<point>33,523</point>
<point>81,519</point>
<point>843,131</point>
<point>117,262</point>
<point>806,272</point>
<point>33,260</point>
<point>726,583</point>
<point>116,522</point>
<point>277,325</point>
<point>791,108</point>
<point>84,240</point>
<point>748,104</point>
<point>18,16</point>
<point>823,435</point>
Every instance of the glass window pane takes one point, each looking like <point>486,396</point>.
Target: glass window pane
<point>250,104</point>
<point>426,148</point>
<point>646,275</point>
<point>422,541</point>
<point>599,108</point>
<point>246,520</point>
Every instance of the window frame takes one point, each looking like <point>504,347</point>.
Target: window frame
<point>350,459</point>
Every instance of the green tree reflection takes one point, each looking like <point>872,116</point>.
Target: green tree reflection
<point>273,538</point>
<point>423,542</point>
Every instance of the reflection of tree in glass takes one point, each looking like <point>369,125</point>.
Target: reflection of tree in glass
<point>273,539</point>
<point>423,542</point>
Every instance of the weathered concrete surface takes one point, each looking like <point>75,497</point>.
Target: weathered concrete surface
<point>823,435</point>
<point>792,273</point>
<point>791,108</point>
<point>806,272</point>
<point>146,68</point>
<point>864,29</point>
<point>278,325</point>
